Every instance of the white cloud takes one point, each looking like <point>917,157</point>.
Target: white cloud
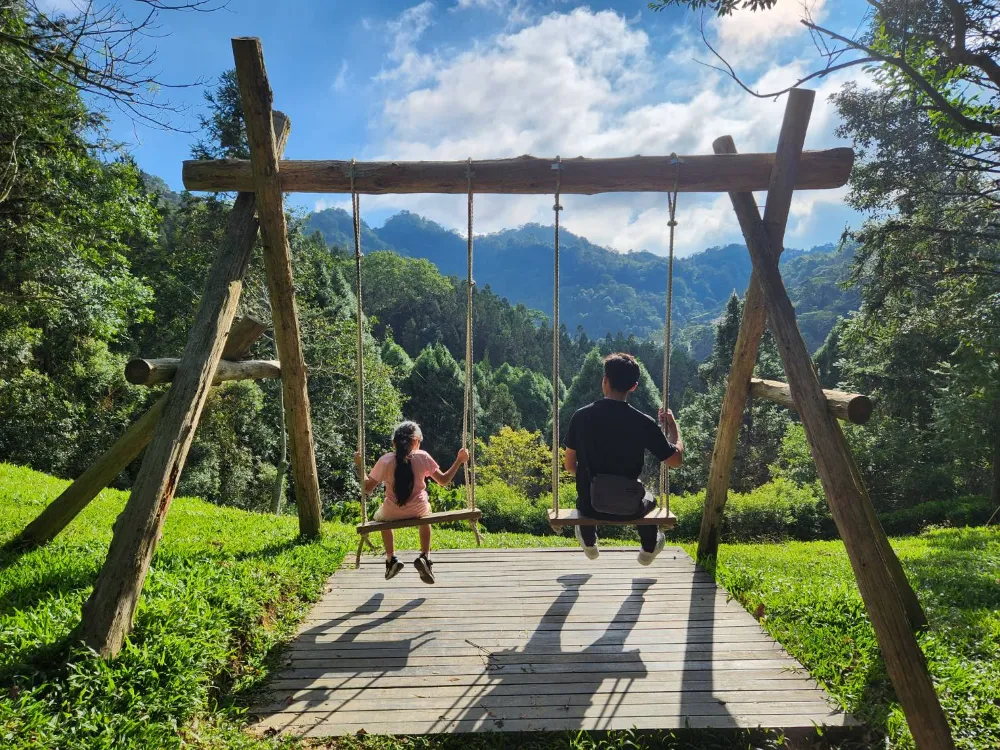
<point>746,37</point>
<point>405,30</point>
<point>484,4</point>
<point>594,84</point>
<point>340,82</point>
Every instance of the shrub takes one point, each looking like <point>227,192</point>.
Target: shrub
<point>774,511</point>
<point>972,510</point>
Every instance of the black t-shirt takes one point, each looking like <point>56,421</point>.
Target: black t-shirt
<point>611,437</point>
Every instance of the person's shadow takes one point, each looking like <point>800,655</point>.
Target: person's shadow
<point>505,669</point>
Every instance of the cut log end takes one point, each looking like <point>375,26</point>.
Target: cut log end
<point>855,408</point>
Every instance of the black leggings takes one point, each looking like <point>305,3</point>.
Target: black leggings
<point>647,534</point>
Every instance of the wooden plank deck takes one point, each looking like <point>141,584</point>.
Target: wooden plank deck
<point>535,640</point>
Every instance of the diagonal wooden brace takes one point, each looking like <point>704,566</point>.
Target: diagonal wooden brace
<point>871,559</point>
<point>61,511</point>
<point>108,614</point>
<point>779,200</point>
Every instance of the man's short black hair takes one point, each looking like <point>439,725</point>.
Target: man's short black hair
<point>622,371</point>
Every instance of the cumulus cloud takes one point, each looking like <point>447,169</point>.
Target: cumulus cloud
<point>340,81</point>
<point>590,83</point>
<point>746,37</point>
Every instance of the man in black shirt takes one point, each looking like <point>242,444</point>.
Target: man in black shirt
<point>611,437</point>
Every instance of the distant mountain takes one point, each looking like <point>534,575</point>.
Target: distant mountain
<point>606,291</point>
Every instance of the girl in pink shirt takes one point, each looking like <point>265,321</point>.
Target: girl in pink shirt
<point>404,473</point>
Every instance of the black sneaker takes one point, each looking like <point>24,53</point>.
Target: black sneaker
<point>392,567</point>
<point>423,566</point>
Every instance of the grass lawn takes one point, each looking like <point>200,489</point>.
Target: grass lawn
<point>227,586</point>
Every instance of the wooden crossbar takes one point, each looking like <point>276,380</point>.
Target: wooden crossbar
<point>530,175</point>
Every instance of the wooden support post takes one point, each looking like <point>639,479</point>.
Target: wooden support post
<point>779,200</point>
<point>155,371</point>
<point>255,92</point>
<point>849,407</point>
<point>58,514</point>
<point>108,614</point>
<point>849,504</point>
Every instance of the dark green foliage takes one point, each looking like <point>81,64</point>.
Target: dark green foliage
<point>435,390</point>
<point>532,395</point>
<point>72,214</point>
<point>764,423</point>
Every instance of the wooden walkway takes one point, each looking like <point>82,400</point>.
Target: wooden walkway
<point>527,640</point>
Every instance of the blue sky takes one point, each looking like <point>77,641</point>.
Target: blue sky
<point>490,78</point>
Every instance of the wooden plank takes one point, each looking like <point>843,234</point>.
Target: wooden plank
<point>657,684</point>
<point>883,598</point>
<point>528,174</point>
<point>71,501</point>
<point>572,517</point>
<point>510,650</point>
<point>447,516</point>
<point>255,94</point>
<point>678,678</point>
<point>849,407</point>
<point>554,724</point>
<point>570,709</point>
<point>519,658</point>
<point>698,639</point>
<point>326,701</point>
<point>779,199</point>
<point>151,372</point>
<point>107,614</point>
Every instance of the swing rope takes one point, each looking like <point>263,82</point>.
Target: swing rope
<point>468,409</point>
<point>672,206</point>
<point>356,210</point>
<point>556,208</point>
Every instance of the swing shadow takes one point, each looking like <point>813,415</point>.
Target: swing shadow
<point>337,658</point>
<point>505,669</point>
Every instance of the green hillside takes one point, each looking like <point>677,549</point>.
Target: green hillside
<point>604,291</point>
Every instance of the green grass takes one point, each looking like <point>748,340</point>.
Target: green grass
<point>227,587</point>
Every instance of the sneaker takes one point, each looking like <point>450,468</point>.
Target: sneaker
<point>423,566</point>
<point>591,552</point>
<point>646,558</point>
<point>392,567</point>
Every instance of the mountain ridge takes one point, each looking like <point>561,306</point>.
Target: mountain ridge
<point>602,290</point>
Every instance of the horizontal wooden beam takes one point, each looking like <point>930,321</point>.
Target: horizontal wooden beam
<point>156,371</point>
<point>850,407</point>
<point>530,175</point>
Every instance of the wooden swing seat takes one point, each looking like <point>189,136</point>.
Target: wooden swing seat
<point>431,518</point>
<point>572,517</point>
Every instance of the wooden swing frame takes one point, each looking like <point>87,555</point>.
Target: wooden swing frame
<point>261,181</point>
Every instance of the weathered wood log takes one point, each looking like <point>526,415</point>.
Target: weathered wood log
<point>156,371</point>
<point>58,514</point>
<point>242,336</point>
<point>108,613</point>
<point>904,660</point>
<point>528,174</point>
<point>850,407</point>
<point>754,319</point>
<point>255,93</point>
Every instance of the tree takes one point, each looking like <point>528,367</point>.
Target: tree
<point>98,49</point>
<point>517,458</point>
<point>763,426</point>
<point>532,395</point>
<point>71,217</point>
<point>926,131</point>
<point>435,389</point>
